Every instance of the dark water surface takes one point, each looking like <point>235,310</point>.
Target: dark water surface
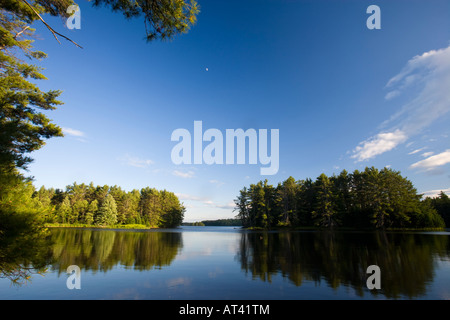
<point>217,263</point>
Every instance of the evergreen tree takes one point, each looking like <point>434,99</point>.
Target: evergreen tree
<point>172,210</point>
<point>91,212</point>
<point>342,187</point>
<point>258,205</point>
<point>21,214</point>
<point>107,213</point>
<point>441,204</point>
<point>150,206</point>
<point>324,211</point>
<point>288,193</point>
<point>164,19</point>
<point>24,123</point>
<point>242,203</point>
<point>305,202</point>
<point>80,209</point>
<point>371,198</point>
<point>130,207</point>
<point>64,211</point>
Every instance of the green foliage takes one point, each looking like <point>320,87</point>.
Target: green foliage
<point>369,199</point>
<point>163,19</point>
<point>22,234</point>
<point>221,222</point>
<point>198,224</point>
<point>218,222</point>
<point>107,213</point>
<point>64,210</point>
<point>24,125</point>
<point>82,204</point>
<point>441,204</point>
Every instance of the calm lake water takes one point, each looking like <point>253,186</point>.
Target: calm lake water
<point>217,263</point>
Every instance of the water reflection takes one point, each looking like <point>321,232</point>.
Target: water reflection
<point>407,261</point>
<point>101,250</point>
<point>215,263</point>
<point>24,256</point>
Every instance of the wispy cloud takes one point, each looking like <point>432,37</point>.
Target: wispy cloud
<point>137,162</point>
<point>433,162</point>
<point>416,151</point>
<point>435,193</point>
<point>184,196</point>
<point>217,182</point>
<point>185,175</point>
<point>379,144</point>
<point>427,77</point>
<point>229,206</point>
<point>73,132</point>
<point>427,154</point>
<point>392,94</point>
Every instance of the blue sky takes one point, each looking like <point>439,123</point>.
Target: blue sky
<point>342,96</point>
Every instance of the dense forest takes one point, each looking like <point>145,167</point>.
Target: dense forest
<point>371,198</point>
<point>109,206</point>
<point>218,222</point>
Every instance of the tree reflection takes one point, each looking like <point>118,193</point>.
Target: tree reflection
<point>90,249</point>
<point>407,260</point>
<point>101,250</point>
<point>23,256</point>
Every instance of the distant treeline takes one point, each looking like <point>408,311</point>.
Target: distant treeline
<point>110,205</point>
<point>219,222</point>
<point>363,199</point>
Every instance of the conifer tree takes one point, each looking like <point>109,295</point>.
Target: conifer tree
<point>324,211</point>
<point>64,210</point>
<point>91,212</point>
<point>107,213</point>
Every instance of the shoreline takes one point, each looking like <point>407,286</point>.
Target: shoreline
<point>140,227</point>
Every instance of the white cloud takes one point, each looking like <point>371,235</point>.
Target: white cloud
<point>378,144</point>
<point>416,151</point>
<point>185,175</point>
<point>392,94</point>
<point>184,196</point>
<point>217,182</point>
<point>229,206</point>
<point>426,79</point>
<point>137,162</point>
<point>435,193</point>
<point>433,161</point>
<point>73,132</point>
<point>427,154</point>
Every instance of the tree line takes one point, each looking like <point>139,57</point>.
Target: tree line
<point>218,222</point>
<point>110,205</point>
<point>371,198</point>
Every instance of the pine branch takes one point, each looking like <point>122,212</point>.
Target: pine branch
<point>20,32</point>
<point>50,28</point>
